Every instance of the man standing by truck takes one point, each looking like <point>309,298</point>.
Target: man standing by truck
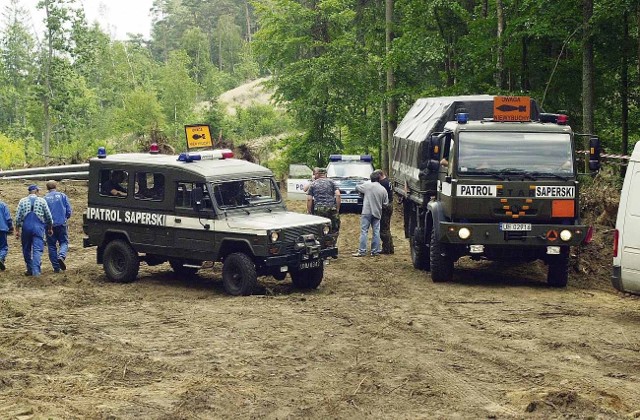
<point>323,199</point>
<point>375,197</point>
<point>387,212</point>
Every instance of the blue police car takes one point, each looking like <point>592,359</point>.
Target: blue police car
<point>347,171</point>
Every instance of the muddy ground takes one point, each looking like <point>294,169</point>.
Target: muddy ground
<point>377,340</point>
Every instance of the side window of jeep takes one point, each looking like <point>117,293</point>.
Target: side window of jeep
<point>149,186</point>
<point>183,195</point>
<point>113,183</point>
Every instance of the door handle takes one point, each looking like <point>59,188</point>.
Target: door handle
<point>178,220</point>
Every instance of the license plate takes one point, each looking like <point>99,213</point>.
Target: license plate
<point>310,264</point>
<point>349,201</point>
<point>515,227</point>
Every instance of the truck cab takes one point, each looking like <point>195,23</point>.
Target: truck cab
<point>197,207</point>
<point>495,190</point>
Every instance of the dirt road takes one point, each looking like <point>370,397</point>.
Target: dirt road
<point>377,340</point>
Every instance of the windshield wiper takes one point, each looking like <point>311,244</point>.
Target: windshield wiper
<point>551,174</point>
<point>515,171</point>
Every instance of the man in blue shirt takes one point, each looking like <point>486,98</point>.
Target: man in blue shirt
<point>60,212</point>
<point>6,227</point>
<point>32,215</point>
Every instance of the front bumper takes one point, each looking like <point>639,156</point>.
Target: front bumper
<point>490,234</point>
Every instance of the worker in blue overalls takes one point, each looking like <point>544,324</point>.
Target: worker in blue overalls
<point>58,203</point>
<point>32,216</point>
<point>6,228</point>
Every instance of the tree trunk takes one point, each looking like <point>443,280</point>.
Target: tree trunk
<point>485,8</point>
<point>587,68</point>
<point>46,139</point>
<point>499,76</point>
<point>248,18</point>
<point>392,107</point>
<point>525,84</point>
<point>624,88</point>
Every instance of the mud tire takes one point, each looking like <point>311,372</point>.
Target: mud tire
<point>239,276</point>
<point>308,279</point>
<point>121,262</point>
<point>419,251</point>
<point>441,264</point>
<point>558,271</point>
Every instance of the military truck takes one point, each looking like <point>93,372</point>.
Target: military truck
<point>491,178</point>
<point>197,207</point>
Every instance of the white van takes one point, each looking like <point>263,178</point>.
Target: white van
<point>626,242</point>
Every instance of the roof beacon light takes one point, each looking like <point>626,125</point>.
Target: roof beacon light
<point>154,149</point>
<point>206,155</point>
<point>562,119</point>
<point>462,117</point>
<point>102,153</point>
<point>338,158</point>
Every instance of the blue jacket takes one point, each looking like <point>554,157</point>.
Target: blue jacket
<point>6,224</point>
<point>59,205</point>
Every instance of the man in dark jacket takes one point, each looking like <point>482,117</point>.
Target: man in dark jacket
<point>387,212</point>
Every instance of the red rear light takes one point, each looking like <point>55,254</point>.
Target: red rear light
<point>562,119</point>
<point>227,155</point>
<point>589,236</point>
<point>154,149</point>
<point>616,236</point>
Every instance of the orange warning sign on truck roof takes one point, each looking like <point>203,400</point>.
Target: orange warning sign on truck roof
<point>512,108</point>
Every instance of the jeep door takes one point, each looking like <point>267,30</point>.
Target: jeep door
<point>193,231</point>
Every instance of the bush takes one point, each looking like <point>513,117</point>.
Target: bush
<point>13,153</point>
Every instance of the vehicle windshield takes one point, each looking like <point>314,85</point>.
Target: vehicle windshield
<point>246,193</point>
<point>349,169</point>
<point>512,153</point>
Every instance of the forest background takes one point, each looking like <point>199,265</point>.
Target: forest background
<point>342,73</point>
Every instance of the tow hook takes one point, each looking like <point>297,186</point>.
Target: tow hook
<point>308,246</point>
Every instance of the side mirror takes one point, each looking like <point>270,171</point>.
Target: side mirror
<point>197,196</point>
<point>594,153</point>
<point>434,146</point>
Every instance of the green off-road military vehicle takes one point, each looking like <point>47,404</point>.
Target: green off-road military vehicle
<point>198,207</point>
<point>489,177</point>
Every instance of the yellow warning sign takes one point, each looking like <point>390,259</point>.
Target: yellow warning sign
<point>512,108</point>
<point>198,136</point>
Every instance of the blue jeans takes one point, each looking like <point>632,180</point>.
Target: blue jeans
<point>367,220</point>
<point>4,246</point>
<point>60,236</point>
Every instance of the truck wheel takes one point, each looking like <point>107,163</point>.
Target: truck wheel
<point>558,272</point>
<point>419,250</point>
<point>181,270</point>
<point>239,274</point>
<point>441,264</point>
<point>308,279</point>
<point>280,275</point>
<point>121,262</point>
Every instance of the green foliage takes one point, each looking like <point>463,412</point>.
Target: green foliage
<point>12,153</point>
<point>257,121</point>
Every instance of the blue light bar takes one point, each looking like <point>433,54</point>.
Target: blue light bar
<point>189,157</point>
<point>361,158</point>
<point>462,117</point>
<point>102,153</point>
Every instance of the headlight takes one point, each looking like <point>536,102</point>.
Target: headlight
<point>566,235</point>
<point>275,235</point>
<point>464,233</point>
<point>326,229</point>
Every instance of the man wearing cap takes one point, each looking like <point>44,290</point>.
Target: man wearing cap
<point>60,212</point>
<point>32,215</point>
<point>323,199</point>
<point>6,228</point>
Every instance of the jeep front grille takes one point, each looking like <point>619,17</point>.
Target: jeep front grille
<point>291,235</point>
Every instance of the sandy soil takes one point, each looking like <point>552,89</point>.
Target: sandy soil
<point>377,340</point>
